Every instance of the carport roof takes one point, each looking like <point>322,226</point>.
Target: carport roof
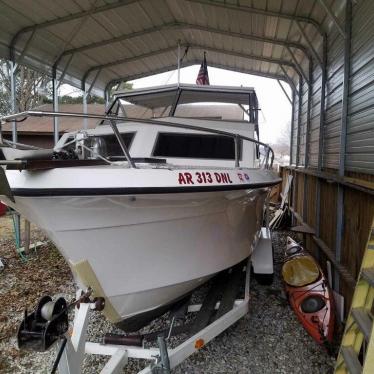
<point>101,42</point>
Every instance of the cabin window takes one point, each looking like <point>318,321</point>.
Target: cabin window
<point>112,145</point>
<point>215,147</point>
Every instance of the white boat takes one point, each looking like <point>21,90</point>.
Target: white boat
<point>146,210</point>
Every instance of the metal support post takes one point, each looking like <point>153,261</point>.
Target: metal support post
<point>163,366</point>
<point>179,62</point>
<point>310,44</point>
<point>13,98</point>
<point>300,94</point>
<point>284,91</point>
<point>237,151</point>
<point>309,106</point>
<point>55,107</point>
<point>292,125</point>
<point>333,17</point>
<point>343,137</point>
<point>17,229</point>
<point>85,119</point>
<point>321,135</point>
<point>298,66</point>
<point>287,77</point>
<point>307,143</point>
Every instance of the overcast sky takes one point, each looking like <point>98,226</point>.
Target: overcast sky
<point>275,113</point>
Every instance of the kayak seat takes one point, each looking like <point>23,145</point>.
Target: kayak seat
<point>300,271</point>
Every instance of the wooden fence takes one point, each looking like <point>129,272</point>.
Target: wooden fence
<point>314,202</point>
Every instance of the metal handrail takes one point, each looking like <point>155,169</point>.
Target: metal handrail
<point>113,119</point>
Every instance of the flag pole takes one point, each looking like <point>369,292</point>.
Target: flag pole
<point>179,62</point>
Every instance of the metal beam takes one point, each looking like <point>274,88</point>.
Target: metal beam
<point>170,49</point>
<point>284,91</point>
<point>322,104</point>
<point>267,13</point>
<point>13,97</point>
<point>182,26</point>
<point>299,68</point>
<point>343,136</point>
<point>321,134</point>
<point>70,17</point>
<point>346,86</point>
<point>309,43</point>
<point>289,80</point>
<point>62,76</point>
<point>309,106</point>
<point>300,98</point>
<point>121,38</point>
<point>239,35</point>
<point>26,47</point>
<point>333,17</point>
<point>292,123</point>
<point>55,109</point>
<point>189,63</point>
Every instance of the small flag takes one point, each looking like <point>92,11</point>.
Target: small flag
<point>203,77</point>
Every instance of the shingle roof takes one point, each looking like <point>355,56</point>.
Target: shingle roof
<point>44,125</point>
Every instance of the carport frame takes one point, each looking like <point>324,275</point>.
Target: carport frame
<point>322,62</point>
<point>124,3</point>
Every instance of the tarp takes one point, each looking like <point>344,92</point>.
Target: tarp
<point>300,271</point>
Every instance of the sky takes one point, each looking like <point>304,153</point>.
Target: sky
<point>275,114</point>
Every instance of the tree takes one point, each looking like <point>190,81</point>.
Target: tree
<point>120,87</point>
<point>33,89</point>
<point>30,85</point>
<point>282,146</point>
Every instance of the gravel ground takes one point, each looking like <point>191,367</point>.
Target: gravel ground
<point>267,340</point>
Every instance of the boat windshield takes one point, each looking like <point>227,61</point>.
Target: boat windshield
<point>187,101</point>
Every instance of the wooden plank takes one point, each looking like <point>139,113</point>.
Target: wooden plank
<point>303,229</point>
<point>354,183</point>
<point>328,214</point>
<point>330,255</point>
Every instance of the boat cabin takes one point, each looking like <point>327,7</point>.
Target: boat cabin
<point>162,132</point>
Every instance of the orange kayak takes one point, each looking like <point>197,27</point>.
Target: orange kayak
<point>309,293</point>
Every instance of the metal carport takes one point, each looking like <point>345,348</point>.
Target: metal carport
<point>322,48</point>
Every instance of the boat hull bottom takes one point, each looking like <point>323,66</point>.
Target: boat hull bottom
<point>140,320</point>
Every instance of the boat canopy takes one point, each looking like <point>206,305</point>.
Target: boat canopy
<point>164,96</point>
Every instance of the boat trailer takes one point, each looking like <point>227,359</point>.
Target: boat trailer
<point>221,308</point>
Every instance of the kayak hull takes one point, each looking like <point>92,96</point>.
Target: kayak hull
<point>313,302</point>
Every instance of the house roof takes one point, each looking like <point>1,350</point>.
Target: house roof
<point>44,125</point>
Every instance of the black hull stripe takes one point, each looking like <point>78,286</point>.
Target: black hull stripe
<point>134,190</point>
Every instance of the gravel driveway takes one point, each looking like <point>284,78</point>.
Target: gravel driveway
<point>267,340</point>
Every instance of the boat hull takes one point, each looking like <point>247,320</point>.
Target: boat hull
<point>144,252</point>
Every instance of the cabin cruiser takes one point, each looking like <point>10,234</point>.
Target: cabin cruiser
<point>145,210</point>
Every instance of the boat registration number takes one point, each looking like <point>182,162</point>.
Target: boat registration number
<point>204,177</point>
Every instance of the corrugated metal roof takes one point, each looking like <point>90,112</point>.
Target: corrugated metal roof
<point>127,39</point>
<point>101,42</point>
